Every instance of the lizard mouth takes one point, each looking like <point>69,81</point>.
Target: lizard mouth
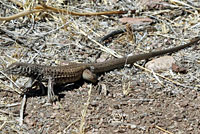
<point>10,71</point>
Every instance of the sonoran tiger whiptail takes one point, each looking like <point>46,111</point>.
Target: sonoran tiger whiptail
<point>75,71</point>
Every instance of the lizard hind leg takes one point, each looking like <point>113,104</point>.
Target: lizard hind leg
<point>89,76</point>
<point>51,96</point>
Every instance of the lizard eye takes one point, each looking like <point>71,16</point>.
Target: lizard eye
<point>17,67</point>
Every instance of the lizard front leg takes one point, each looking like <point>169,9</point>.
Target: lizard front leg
<point>29,84</point>
<point>32,82</point>
<point>51,95</point>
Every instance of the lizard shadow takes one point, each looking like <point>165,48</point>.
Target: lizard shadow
<point>58,89</point>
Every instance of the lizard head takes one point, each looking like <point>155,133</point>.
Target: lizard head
<point>16,68</point>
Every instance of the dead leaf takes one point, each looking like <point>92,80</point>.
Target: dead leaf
<point>178,69</point>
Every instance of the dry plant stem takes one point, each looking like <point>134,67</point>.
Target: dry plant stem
<point>174,82</point>
<point>40,8</point>
<point>156,77</point>
<point>17,91</point>
<point>163,130</point>
<point>20,14</point>
<point>10,105</point>
<point>7,113</point>
<point>84,112</point>
<point>11,35</point>
<point>64,131</point>
<point>4,123</point>
<point>103,48</point>
<point>22,111</point>
<point>57,10</point>
<point>182,3</point>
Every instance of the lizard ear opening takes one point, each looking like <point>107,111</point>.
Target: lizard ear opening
<point>89,76</point>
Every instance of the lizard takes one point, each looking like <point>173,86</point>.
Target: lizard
<point>75,71</point>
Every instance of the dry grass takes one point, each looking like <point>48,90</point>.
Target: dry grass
<point>50,33</point>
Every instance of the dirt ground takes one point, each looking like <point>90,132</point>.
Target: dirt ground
<point>129,100</point>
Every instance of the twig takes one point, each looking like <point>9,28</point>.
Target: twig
<point>163,130</point>
<point>43,8</point>
<point>103,48</point>
<point>10,105</point>
<point>18,91</point>
<point>63,11</point>
<point>20,14</point>
<point>7,113</point>
<point>84,112</point>
<point>154,74</point>
<point>3,125</point>
<point>11,35</point>
<point>70,125</point>
<point>174,82</point>
<point>22,110</point>
<point>183,4</point>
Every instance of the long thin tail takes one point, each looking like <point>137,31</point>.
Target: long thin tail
<point>117,63</point>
